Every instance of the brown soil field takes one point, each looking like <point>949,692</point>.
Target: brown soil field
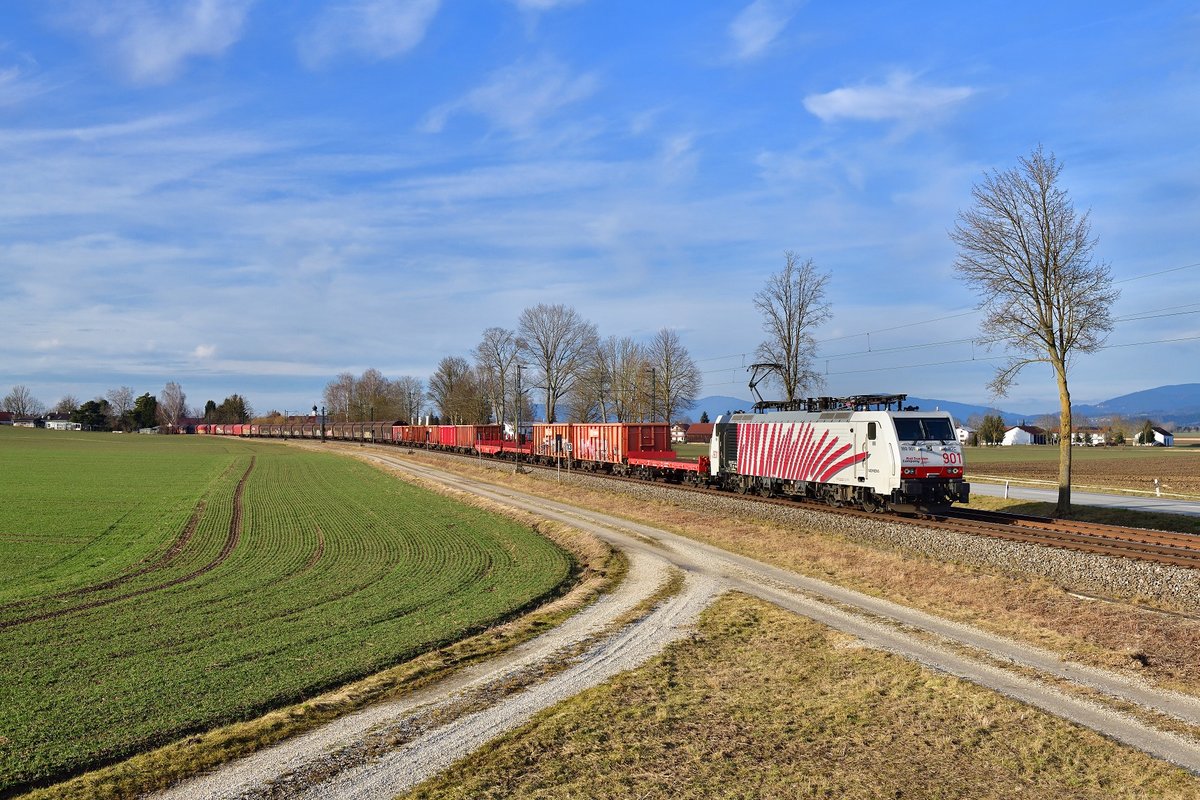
<point>1179,472</point>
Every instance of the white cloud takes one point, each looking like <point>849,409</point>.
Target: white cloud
<point>153,38</point>
<point>204,351</point>
<point>898,99</point>
<point>377,29</point>
<point>757,25</point>
<point>519,97</point>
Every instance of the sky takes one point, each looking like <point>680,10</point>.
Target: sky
<point>253,196</point>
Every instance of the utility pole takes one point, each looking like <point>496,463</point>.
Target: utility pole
<point>517,426</point>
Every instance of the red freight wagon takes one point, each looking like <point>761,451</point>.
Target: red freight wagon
<point>552,439</point>
<point>447,436</point>
<point>469,436</point>
<point>614,442</point>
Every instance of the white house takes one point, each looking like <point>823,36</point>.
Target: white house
<point>1023,434</point>
<point>1165,438</point>
<point>62,425</point>
<point>964,433</point>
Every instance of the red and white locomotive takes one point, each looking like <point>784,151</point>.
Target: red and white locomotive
<point>844,451</point>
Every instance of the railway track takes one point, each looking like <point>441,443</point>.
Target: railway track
<point>1162,547</point>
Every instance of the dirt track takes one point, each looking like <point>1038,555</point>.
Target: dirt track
<point>383,750</point>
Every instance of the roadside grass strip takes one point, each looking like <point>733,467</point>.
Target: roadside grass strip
<point>762,703</point>
<point>338,572</point>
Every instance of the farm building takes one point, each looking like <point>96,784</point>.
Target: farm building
<point>6,418</point>
<point>1165,438</point>
<point>699,432</point>
<point>1023,434</point>
<point>1091,436</point>
<point>62,425</point>
<point>679,432</point>
<point>963,433</point>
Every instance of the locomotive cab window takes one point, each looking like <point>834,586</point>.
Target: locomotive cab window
<point>924,429</point>
<point>871,427</point>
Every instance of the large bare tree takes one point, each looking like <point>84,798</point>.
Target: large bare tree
<point>676,378</point>
<point>21,402</point>
<point>172,405</point>
<point>496,359</point>
<point>557,341</point>
<point>792,305</point>
<point>1029,256</point>
<point>454,392</point>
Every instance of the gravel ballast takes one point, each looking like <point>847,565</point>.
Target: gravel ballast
<point>1177,588</point>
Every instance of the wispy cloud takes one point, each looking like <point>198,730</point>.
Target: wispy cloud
<point>900,99</point>
<point>151,39</point>
<point>517,98</point>
<point>204,351</point>
<point>756,27</point>
<point>375,29</point>
<point>544,5</point>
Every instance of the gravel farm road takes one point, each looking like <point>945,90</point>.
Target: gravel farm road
<point>383,750</point>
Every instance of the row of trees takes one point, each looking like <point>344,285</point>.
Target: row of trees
<point>120,409</point>
<point>553,354</point>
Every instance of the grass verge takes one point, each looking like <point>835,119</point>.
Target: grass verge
<point>1162,648</point>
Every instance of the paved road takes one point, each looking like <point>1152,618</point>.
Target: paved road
<point>1164,505</point>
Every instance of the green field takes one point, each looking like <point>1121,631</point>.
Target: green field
<point>151,587</point>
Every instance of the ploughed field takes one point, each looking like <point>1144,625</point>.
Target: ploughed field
<point>1113,467</point>
<point>151,587</point>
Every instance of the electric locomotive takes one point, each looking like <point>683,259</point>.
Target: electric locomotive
<point>845,451</point>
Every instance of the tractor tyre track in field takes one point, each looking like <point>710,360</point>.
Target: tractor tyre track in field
<point>231,542</point>
<point>177,547</point>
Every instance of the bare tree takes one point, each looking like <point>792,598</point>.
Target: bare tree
<point>453,391</point>
<point>339,396</point>
<point>120,403</point>
<point>1028,255</point>
<point>792,305</point>
<point>628,364</point>
<point>68,404</point>
<point>496,359</point>
<point>371,394</point>
<point>172,405</point>
<point>21,402</point>
<point>557,341</point>
<point>676,377</point>
<point>410,397</point>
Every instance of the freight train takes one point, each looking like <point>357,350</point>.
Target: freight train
<point>848,451</point>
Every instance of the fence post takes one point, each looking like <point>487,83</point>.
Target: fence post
<point>1006,490</point>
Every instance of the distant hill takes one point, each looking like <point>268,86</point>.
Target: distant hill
<point>1179,404</point>
<point>716,405</point>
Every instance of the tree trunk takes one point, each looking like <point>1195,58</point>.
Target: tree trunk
<point>1063,509</point>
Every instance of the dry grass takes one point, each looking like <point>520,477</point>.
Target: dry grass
<point>762,703</point>
<point>1108,516</point>
<point>1162,648</point>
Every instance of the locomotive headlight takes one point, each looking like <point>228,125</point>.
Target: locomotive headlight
<point>908,471</point>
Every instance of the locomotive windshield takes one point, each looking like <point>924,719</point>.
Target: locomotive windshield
<point>924,429</point>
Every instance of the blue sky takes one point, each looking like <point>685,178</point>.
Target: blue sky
<point>254,196</point>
